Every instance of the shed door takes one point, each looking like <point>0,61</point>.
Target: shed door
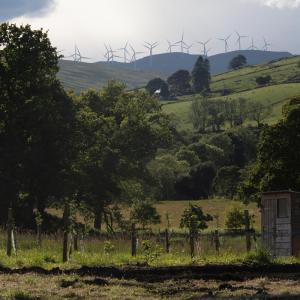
<point>269,212</point>
<point>283,227</point>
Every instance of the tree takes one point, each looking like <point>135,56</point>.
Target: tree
<point>189,156</point>
<point>238,62</point>
<point>200,113</point>
<point>144,213</point>
<point>278,152</point>
<point>235,219</point>
<point>201,75</point>
<point>194,214</point>
<point>226,181</point>
<point>198,184</point>
<point>37,122</point>
<point>158,84</point>
<point>258,112</point>
<point>180,83</point>
<point>165,171</point>
<point>122,132</point>
<point>263,80</point>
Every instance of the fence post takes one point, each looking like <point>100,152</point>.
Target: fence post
<point>247,230</point>
<point>9,244</point>
<point>217,241</point>
<point>167,240</point>
<point>192,232</point>
<point>66,224</point>
<point>133,240</point>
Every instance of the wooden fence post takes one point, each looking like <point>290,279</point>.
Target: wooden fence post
<point>167,240</point>
<point>192,232</point>
<point>133,240</point>
<point>66,231</point>
<point>247,230</point>
<point>10,241</point>
<point>217,241</point>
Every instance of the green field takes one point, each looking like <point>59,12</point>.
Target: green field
<point>78,76</point>
<point>275,96</point>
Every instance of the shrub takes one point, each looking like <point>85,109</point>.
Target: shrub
<point>260,257</point>
<point>262,80</point>
<point>235,219</point>
<point>150,251</point>
<point>109,247</point>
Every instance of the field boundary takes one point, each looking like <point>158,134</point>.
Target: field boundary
<point>237,272</point>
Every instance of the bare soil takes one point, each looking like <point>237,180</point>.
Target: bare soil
<point>142,282</point>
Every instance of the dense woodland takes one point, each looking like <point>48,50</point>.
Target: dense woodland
<point>106,148</point>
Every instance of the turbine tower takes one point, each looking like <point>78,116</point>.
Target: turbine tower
<point>204,44</point>
<point>266,45</point>
<point>112,54</point>
<point>151,47</point>
<point>239,39</point>
<point>182,43</point>
<point>226,42</point>
<point>125,52</point>
<point>188,47</point>
<point>107,54</point>
<point>170,48</point>
<point>134,56</point>
<point>252,47</point>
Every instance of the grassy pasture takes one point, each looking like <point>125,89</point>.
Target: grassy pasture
<point>275,96</point>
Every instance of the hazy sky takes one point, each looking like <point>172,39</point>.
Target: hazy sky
<point>91,23</point>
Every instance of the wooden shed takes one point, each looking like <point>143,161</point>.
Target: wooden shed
<point>281,223</point>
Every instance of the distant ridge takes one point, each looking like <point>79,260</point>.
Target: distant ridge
<point>79,75</point>
<point>171,62</point>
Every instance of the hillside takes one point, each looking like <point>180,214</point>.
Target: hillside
<point>285,74</point>
<point>79,75</point>
<point>171,62</point>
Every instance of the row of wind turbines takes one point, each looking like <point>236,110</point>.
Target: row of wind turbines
<point>130,55</point>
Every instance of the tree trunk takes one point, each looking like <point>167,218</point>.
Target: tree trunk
<point>66,221</point>
<point>98,218</point>
<point>9,244</point>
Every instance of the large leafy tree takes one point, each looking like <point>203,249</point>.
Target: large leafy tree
<point>37,117</point>
<point>180,83</point>
<point>123,131</point>
<point>277,166</point>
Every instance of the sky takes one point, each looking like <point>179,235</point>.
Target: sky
<point>91,23</point>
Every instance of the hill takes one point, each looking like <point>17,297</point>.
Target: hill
<point>241,83</point>
<point>170,62</point>
<point>79,75</point>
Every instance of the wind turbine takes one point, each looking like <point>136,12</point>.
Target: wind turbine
<point>204,46</point>
<point>207,51</point>
<point>182,43</point>
<point>170,48</point>
<point>252,47</point>
<point>112,54</point>
<point>188,47</point>
<point>266,45</point>
<point>77,55</point>
<point>226,42</point>
<point>107,54</point>
<point>239,39</point>
<point>134,56</point>
<point>151,47</point>
<point>125,52</point>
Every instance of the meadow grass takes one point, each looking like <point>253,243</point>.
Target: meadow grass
<point>274,96</point>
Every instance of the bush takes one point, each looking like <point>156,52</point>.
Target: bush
<point>109,247</point>
<point>235,219</point>
<point>150,251</point>
<point>263,80</point>
<point>260,257</point>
